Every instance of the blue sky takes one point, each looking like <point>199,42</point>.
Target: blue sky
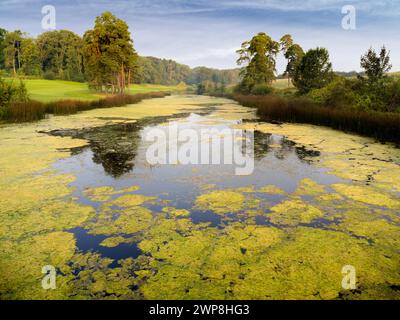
<point>207,32</point>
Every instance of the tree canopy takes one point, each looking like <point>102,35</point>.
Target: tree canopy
<point>376,65</point>
<point>314,70</point>
<point>3,33</point>
<point>110,58</point>
<point>61,55</point>
<point>259,56</point>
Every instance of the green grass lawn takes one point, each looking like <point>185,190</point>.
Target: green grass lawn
<point>52,90</point>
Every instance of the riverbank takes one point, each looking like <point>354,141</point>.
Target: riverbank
<point>35,110</point>
<point>383,126</point>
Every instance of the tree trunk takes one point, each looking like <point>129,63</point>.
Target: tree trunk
<point>15,72</point>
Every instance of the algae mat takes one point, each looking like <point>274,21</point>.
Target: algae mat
<point>77,193</point>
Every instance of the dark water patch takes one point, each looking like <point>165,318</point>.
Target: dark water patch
<point>320,223</point>
<point>262,221</point>
<point>210,217</point>
<point>86,242</point>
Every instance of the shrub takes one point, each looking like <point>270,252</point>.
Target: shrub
<point>9,94</point>
<point>337,94</point>
<point>262,90</point>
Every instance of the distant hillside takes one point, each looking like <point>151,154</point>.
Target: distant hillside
<point>349,74</point>
<point>168,72</point>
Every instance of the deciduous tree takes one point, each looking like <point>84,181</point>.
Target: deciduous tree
<point>61,55</point>
<point>110,58</point>
<point>314,71</point>
<point>259,56</point>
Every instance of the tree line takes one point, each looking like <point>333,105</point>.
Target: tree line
<point>312,75</point>
<point>104,57</point>
<point>169,72</point>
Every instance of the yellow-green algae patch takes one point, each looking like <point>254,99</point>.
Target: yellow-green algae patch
<point>174,212</point>
<point>184,260</point>
<point>128,221</point>
<point>271,189</point>
<point>130,200</point>
<point>221,201</point>
<point>309,264</point>
<point>102,194</point>
<point>372,225</point>
<point>368,195</point>
<point>40,204</point>
<point>294,211</point>
<point>203,262</point>
<point>113,242</point>
<point>308,187</point>
<point>21,265</point>
<point>260,262</point>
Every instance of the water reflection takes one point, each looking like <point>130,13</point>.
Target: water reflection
<point>116,157</point>
<point>115,147</point>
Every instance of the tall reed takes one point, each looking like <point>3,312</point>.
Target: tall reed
<point>34,110</point>
<point>384,126</point>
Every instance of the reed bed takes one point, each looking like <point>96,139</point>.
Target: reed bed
<point>384,126</point>
<point>32,110</point>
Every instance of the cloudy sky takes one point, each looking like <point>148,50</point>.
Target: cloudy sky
<point>207,32</point>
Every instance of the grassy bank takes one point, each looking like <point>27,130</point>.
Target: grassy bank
<point>35,110</point>
<point>383,126</point>
<point>54,90</point>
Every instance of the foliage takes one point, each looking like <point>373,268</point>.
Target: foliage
<point>9,94</point>
<point>161,71</point>
<point>375,65</point>
<point>12,52</point>
<point>337,94</point>
<point>200,74</point>
<point>30,58</point>
<point>314,71</point>
<point>294,54</point>
<point>3,33</point>
<point>110,59</point>
<point>259,55</point>
<point>61,55</point>
<point>262,90</point>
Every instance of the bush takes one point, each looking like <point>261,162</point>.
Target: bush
<point>262,90</point>
<point>337,94</point>
<point>49,75</point>
<point>10,93</point>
